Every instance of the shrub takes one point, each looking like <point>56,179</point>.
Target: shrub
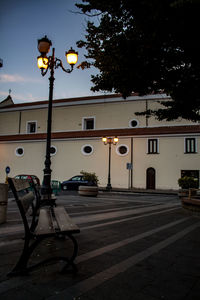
<point>187,182</point>
<point>91,177</point>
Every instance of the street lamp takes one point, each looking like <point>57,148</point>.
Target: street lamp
<point>109,141</point>
<point>44,64</point>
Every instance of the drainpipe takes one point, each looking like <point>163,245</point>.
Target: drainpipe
<point>147,117</point>
<point>20,118</point>
<point>132,163</point>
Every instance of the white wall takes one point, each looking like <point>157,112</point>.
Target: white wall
<point>69,161</point>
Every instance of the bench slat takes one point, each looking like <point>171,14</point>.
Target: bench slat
<point>20,184</point>
<point>27,200</point>
<point>64,221</point>
<point>44,226</point>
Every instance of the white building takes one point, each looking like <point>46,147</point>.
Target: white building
<point>158,151</point>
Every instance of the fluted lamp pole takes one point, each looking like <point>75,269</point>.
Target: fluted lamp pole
<point>44,64</point>
<point>109,141</point>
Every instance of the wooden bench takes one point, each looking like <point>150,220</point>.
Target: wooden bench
<point>42,223</point>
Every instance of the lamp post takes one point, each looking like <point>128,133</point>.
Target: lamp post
<point>109,141</point>
<point>44,64</point>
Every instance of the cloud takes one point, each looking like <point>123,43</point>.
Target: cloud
<point>16,78</point>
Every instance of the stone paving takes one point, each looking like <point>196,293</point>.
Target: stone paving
<point>131,246</point>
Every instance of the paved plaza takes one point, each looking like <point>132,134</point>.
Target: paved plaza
<point>131,246</point>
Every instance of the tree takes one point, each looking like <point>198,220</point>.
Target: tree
<point>146,47</point>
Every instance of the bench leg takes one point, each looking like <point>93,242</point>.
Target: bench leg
<point>21,266</point>
<point>70,261</point>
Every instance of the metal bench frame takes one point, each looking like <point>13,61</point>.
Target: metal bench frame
<point>46,221</point>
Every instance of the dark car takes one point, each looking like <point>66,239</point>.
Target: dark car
<point>74,182</point>
<point>30,178</point>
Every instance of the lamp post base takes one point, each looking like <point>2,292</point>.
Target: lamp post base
<point>47,197</point>
<point>48,200</point>
<point>109,187</point>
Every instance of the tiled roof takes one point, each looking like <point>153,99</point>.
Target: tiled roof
<point>81,100</point>
<point>67,100</point>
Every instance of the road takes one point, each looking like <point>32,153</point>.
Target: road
<point>131,246</point>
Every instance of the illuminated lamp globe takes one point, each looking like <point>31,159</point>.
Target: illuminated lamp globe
<point>42,62</point>
<point>116,140</point>
<point>72,57</point>
<point>104,140</point>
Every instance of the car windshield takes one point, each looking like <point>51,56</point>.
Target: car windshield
<point>28,177</point>
<point>76,178</point>
<point>24,177</point>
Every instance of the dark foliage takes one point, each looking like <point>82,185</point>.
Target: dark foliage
<point>146,47</point>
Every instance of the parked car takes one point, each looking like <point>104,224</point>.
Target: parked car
<point>74,182</point>
<point>30,178</point>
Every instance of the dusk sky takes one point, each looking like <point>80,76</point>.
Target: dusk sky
<point>22,23</point>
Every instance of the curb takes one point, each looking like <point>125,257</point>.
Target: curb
<point>139,191</point>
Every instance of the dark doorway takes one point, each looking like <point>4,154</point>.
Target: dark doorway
<point>151,178</point>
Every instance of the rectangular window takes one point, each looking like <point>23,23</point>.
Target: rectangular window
<point>88,123</point>
<point>153,146</point>
<point>31,127</point>
<point>190,145</point>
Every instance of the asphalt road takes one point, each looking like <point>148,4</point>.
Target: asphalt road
<point>131,246</point>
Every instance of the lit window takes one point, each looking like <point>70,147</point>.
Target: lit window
<point>122,150</point>
<point>19,151</point>
<point>87,149</point>
<point>190,145</point>
<point>133,123</point>
<point>31,127</point>
<point>153,146</point>
<point>88,123</point>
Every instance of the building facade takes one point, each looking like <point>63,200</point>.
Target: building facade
<point>150,154</point>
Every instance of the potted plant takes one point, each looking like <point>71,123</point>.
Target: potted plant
<point>187,183</point>
<point>91,189</point>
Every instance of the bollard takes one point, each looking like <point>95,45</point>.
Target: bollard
<point>3,202</point>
